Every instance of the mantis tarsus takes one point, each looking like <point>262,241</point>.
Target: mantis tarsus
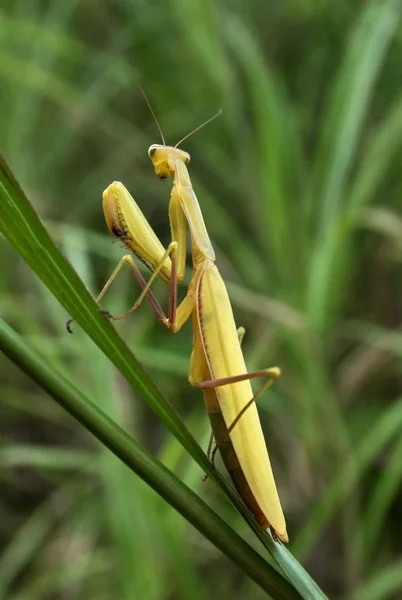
<point>217,365</point>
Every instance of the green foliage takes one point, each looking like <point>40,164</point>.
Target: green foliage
<point>300,185</point>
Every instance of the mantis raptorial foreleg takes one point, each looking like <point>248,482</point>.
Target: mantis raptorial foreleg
<point>126,221</point>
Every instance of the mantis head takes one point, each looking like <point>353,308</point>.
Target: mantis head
<point>164,157</point>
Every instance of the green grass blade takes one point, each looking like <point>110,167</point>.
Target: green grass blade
<point>142,463</point>
<point>383,585</point>
<point>383,143</point>
<point>31,535</point>
<point>278,161</point>
<point>40,458</point>
<point>384,494</point>
<point>336,151</point>
<point>371,445</point>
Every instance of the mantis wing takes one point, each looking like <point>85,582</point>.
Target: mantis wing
<point>225,359</point>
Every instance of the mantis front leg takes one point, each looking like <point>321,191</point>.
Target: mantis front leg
<point>127,222</point>
<point>146,287</point>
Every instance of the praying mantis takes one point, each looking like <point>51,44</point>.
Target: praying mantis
<point>217,364</point>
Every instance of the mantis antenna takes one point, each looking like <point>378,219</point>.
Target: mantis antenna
<point>159,127</point>
<point>199,127</point>
<point>152,112</point>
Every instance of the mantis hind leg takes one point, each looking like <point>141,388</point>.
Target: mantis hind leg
<point>272,375</point>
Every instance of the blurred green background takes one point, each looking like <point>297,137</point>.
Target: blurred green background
<point>300,183</point>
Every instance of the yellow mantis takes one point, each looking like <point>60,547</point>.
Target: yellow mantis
<point>217,365</point>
